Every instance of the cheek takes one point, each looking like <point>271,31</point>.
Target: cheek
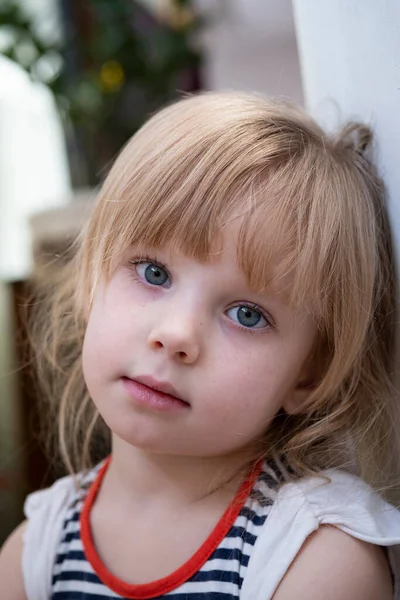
<point>114,330</point>
<point>244,383</point>
<point>101,342</point>
<point>94,358</point>
<point>254,384</point>
<point>250,371</point>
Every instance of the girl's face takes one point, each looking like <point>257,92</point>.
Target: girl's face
<point>197,331</point>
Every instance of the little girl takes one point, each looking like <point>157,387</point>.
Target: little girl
<point>224,343</point>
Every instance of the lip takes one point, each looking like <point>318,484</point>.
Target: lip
<point>159,386</point>
<point>157,395</point>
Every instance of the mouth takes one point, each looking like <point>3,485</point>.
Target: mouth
<point>162,387</point>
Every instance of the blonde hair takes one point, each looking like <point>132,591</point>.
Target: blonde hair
<point>311,205</point>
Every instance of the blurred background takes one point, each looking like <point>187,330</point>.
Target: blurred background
<point>78,77</point>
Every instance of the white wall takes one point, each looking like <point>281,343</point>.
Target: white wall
<point>350,56</point>
<point>33,164</point>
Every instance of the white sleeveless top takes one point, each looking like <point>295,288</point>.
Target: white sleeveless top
<point>296,511</point>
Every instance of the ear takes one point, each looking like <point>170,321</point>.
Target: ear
<point>297,397</point>
<point>303,388</point>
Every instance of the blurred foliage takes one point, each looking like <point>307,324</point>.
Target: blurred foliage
<point>111,73</point>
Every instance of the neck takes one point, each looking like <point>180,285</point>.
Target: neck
<point>145,478</point>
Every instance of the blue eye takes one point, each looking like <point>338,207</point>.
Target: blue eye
<point>248,316</point>
<point>152,273</point>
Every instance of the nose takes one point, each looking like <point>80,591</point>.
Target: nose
<point>179,335</point>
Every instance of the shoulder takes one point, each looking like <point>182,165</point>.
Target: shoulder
<point>336,566</point>
<point>346,501</point>
<point>46,512</point>
<point>337,524</point>
<point>11,579</point>
<point>51,503</point>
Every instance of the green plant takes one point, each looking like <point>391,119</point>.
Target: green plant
<point>110,73</point>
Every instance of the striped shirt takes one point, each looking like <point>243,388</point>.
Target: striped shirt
<point>215,572</point>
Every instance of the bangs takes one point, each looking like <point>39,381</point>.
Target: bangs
<point>284,242</point>
<point>277,241</point>
<point>191,172</point>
